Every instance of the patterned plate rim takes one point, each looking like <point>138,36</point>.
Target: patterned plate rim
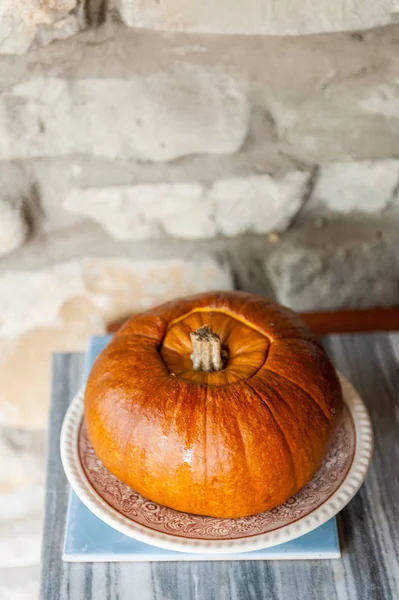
<point>333,505</point>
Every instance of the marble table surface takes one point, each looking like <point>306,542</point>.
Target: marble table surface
<point>368,526</point>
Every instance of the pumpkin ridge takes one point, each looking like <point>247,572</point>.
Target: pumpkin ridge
<point>282,399</point>
<point>127,325</point>
<point>305,393</point>
<point>326,415</point>
<point>206,437</point>
<point>244,446</point>
<point>135,334</point>
<point>291,459</point>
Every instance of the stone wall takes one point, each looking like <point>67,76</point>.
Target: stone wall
<point>137,165</point>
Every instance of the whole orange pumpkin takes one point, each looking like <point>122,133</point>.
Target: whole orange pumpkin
<point>221,404</point>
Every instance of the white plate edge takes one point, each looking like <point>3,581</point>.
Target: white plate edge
<point>334,504</point>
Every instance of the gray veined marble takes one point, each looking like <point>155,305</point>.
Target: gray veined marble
<point>369,525</point>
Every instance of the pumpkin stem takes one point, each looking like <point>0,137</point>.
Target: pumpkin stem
<point>207,350</point>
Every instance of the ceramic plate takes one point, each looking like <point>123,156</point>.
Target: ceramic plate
<point>337,481</point>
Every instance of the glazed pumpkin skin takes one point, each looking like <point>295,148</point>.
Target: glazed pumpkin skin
<point>227,443</point>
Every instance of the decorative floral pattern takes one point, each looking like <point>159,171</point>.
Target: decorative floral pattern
<point>166,520</point>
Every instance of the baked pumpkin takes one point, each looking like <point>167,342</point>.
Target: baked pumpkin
<point>221,404</point>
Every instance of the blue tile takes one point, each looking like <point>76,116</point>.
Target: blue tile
<point>89,539</point>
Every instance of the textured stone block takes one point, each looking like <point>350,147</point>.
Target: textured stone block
<point>257,204</point>
<point>357,186</point>
<point>22,458</point>
<point>229,207</point>
<point>28,23</point>
<point>13,226</point>
<point>20,540</point>
<point>20,583</point>
<point>57,307</point>
<point>279,17</point>
<point>381,99</point>
<point>25,24</point>
<point>159,117</point>
<point>338,266</point>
